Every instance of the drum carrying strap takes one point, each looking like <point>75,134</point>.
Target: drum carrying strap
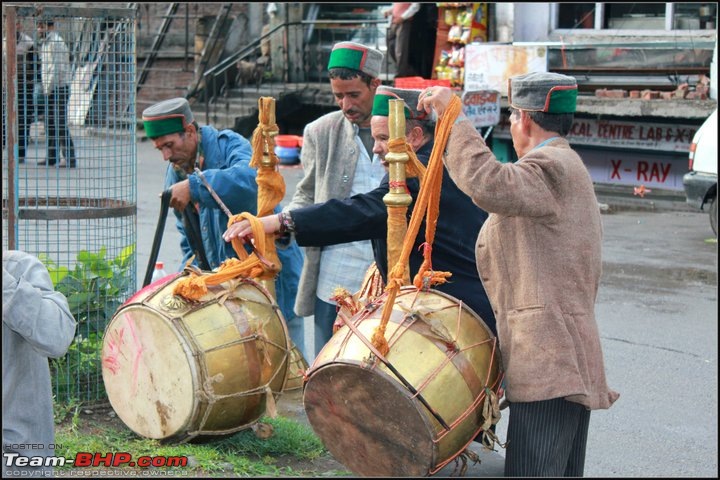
<point>428,201</point>
<point>191,223</point>
<point>164,207</point>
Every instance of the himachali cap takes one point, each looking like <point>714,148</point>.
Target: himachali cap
<point>166,117</point>
<point>356,57</point>
<point>543,92</point>
<point>383,95</point>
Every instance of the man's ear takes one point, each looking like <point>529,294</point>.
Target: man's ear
<point>415,137</point>
<point>525,122</point>
<point>375,83</point>
<point>190,130</point>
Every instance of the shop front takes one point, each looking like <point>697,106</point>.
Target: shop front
<point>649,151</point>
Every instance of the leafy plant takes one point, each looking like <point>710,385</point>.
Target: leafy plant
<point>95,287</point>
<point>62,410</point>
<point>78,375</point>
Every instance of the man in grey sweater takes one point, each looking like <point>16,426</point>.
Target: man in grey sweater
<point>37,324</point>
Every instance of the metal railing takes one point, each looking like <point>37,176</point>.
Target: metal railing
<point>308,62</point>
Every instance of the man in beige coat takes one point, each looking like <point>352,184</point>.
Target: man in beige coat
<point>539,257</point>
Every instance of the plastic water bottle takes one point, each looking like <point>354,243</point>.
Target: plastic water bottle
<point>159,272</point>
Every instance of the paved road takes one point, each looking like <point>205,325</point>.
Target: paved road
<point>657,316</point>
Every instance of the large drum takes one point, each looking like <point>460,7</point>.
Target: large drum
<point>415,421</point>
<point>175,369</point>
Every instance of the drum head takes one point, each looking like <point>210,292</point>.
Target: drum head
<point>368,421</point>
<point>147,374</point>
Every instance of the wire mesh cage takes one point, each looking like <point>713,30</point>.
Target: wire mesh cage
<point>69,165</point>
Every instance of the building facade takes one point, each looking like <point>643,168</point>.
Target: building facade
<point>647,75</point>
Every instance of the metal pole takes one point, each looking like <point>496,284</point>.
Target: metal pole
<point>11,40</point>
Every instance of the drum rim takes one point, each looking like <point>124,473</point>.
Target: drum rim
<point>402,392</point>
<point>187,349</point>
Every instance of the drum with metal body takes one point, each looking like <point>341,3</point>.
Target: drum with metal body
<point>417,412</point>
<point>297,365</point>
<point>175,369</point>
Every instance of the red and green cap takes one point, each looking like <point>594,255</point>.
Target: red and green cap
<point>383,95</point>
<point>543,92</point>
<point>166,117</point>
<point>356,56</point>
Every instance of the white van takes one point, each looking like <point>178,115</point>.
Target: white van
<point>701,181</point>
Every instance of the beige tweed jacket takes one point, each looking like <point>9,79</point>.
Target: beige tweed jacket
<point>329,157</point>
<point>539,257</point>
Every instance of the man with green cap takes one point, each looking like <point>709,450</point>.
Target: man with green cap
<point>338,162</point>
<point>539,256</point>
<point>223,158</point>
<point>364,216</point>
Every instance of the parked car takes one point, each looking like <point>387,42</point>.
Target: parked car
<point>701,181</point>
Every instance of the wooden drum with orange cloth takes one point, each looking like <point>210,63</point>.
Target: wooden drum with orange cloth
<point>175,369</point>
<point>414,410</point>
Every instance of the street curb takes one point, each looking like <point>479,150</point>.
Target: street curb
<point>617,198</point>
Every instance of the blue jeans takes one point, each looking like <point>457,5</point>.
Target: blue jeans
<point>325,314</point>
<point>296,328</point>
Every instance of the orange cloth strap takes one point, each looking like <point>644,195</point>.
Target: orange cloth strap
<point>414,167</point>
<point>194,287</point>
<point>428,201</point>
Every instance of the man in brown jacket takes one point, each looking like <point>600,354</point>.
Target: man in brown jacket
<point>539,257</point>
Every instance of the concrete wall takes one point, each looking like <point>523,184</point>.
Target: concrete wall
<point>151,15</point>
<point>531,22</point>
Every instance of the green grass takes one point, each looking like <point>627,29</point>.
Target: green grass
<point>241,454</point>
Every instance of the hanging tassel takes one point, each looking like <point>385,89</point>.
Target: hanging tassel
<point>270,406</point>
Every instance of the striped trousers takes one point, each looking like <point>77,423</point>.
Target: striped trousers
<point>546,439</point>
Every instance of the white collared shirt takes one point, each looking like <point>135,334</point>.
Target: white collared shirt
<point>54,63</point>
<point>344,265</point>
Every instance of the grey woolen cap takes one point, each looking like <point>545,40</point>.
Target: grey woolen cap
<point>168,116</point>
<point>543,92</point>
<point>356,57</point>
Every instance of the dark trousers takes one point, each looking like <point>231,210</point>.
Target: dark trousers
<point>25,116</point>
<point>58,133</point>
<point>325,314</point>
<point>398,47</point>
<point>546,439</point>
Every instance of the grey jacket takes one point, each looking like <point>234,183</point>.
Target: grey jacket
<point>37,324</point>
<point>329,157</point>
<point>539,258</point>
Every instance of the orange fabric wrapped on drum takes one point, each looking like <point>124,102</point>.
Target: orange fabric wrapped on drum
<point>380,423</point>
<point>175,369</point>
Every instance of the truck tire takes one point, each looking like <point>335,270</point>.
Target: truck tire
<point>714,214</point>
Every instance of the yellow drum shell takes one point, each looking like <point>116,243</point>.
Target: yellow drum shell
<point>369,420</point>
<point>297,365</point>
<point>175,369</point>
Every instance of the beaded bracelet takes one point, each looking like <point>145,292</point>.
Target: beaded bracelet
<point>286,223</point>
